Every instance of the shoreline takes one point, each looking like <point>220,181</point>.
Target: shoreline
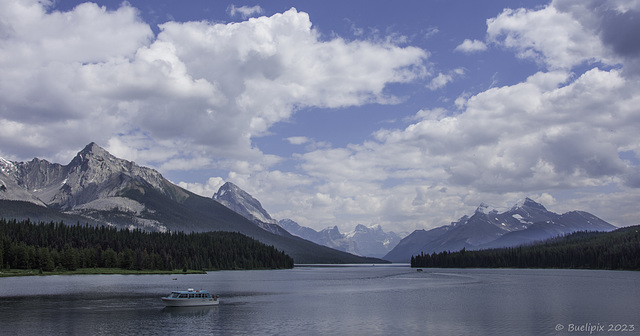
<point>92,271</point>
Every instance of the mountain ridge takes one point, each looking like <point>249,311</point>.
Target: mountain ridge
<point>525,222</point>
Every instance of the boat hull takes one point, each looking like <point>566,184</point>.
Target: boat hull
<point>171,302</point>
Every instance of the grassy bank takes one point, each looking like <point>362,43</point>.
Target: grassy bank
<point>23,272</point>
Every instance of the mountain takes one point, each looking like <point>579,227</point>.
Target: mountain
<point>372,240</point>
<point>526,222</point>
<point>366,241</point>
<point>100,189</point>
<point>238,200</point>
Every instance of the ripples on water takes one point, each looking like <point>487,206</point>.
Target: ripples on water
<point>324,300</point>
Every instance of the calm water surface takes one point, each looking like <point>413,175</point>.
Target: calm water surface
<point>379,300</point>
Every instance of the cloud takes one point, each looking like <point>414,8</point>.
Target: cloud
<point>431,31</point>
<point>548,36</point>
<point>615,23</point>
<point>245,11</point>
<point>442,79</point>
<point>198,89</point>
<point>298,140</point>
<point>206,190</point>
<point>550,132</point>
<point>471,46</point>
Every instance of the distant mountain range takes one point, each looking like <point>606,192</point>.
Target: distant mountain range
<point>101,189</point>
<point>526,222</point>
<point>364,241</point>
<point>367,241</point>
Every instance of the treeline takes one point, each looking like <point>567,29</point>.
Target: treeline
<point>616,250</point>
<point>56,246</point>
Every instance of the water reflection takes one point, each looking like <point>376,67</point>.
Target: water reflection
<point>190,311</point>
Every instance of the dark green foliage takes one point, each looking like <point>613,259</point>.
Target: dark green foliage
<point>25,245</point>
<point>616,250</point>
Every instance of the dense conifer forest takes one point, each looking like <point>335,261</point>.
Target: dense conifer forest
<point>57,246</point>
<point>616,250</point>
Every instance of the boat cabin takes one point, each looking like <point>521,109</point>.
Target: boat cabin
<point>190,295</point>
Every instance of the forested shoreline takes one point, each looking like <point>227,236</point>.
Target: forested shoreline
<point>616,250</point>
<point>57,246</point>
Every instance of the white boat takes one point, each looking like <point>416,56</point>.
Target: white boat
<point>190,298</point>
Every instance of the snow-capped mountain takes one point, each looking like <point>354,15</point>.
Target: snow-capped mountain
<point>526,222</point>
<point>100,189</point>
<point>366,241</point>
<point>240,201</point>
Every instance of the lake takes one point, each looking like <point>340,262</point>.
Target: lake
<point>314,300</point>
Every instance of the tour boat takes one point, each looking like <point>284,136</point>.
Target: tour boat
<point>190,298</point>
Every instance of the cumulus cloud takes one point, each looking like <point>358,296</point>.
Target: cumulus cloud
<point>471,46</point>
<point>614,22</point>
<point>198,89</point>
<point>549,36</point>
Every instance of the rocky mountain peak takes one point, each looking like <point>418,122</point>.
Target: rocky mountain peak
<point>483,208</point>
<point>92,155</point>
<point>97,162</point>
<point>240,201</point>
<point>361,228</point>
<point>93,151</point>
<point>529,203</point>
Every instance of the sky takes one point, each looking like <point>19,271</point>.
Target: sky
<point>404,114</point>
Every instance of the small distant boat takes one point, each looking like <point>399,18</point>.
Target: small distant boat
<point>419,269</point>
<point>190,298</point>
